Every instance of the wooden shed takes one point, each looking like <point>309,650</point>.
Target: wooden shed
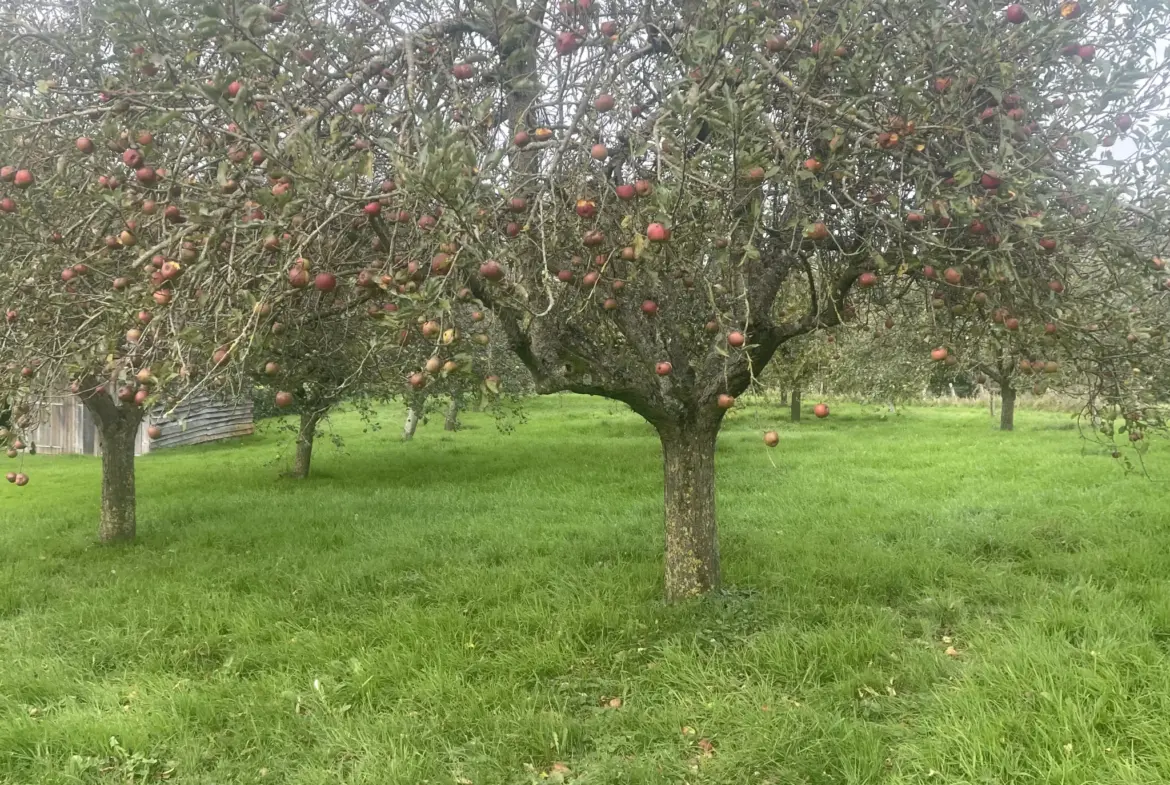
<point>67,427</point>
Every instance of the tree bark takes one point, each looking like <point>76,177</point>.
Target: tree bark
<point>305,436</point>
<point>414,412</point>
<point>692,536</point>
<point>1007,407</point>
<point>796,404</point>
<point>451,423</point>
<point>118,430</point>
<point>784,397</point>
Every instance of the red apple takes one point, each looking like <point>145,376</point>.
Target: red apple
<point>1015,14</point>
<point>649,307</point>
<point>586,208</point>
<point>1012,323</point>
<point>867,280</point>
<point>1056,286</point>
<point>663,369</point>
<point>725,401</point>
<point>604,102</point>
<point>990,180</point>
<point>657,233</point>
<point>626,192</point>
<point>491,270</point>
<point>771,438</point>
<point>284,400</point>
<point>939,354</point>
<point>565,43</point>
<point>817,231</point>
<point>598,152</point>
<point>643,187</point>
<point>7,205</point>
<point>23,178</point>
<point>1087,52</point>
<point>821,411</point>
<point>521,139</point>
<point>812,165</point>
<point>735,339</point>
<point>84,145</point>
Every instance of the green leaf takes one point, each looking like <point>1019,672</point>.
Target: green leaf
<point>238,47</point>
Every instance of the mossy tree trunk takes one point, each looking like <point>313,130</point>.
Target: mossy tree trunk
<point>692,535</point>
<point>117,427</point>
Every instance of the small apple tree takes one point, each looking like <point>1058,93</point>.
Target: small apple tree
<point>170,201</point>
<point>662,200</point>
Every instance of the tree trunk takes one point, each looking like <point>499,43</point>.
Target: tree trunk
<point>784,397</point>
<point>451,423</point>
<point>692,537</point>
<point>1007,407</point>
<point>414,412</point>
<point>796,404</point>
<point>305,436</point>
<point>118,430</point>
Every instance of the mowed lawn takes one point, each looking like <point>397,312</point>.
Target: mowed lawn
<point>484,608</point>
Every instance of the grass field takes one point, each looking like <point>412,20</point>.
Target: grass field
<point>484,608</point>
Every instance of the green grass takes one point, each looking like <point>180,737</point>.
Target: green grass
<point>462,609</point>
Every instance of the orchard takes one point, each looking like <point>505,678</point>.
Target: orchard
<point>650,203</point>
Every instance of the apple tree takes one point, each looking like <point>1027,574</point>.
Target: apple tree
<point>653,204</point>
<point>172,203</point>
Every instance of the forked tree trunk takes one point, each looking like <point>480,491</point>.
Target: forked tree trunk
<point>305,437</point>
<point>1007,407</point>
<point>796,405</point>
<point>692,537</point>
<point>451,423</point>
<point>414,412</point>
<point>118,430</point>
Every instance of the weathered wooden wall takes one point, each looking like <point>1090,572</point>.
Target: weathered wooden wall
<point>67,427</point>
<point>203,419</point>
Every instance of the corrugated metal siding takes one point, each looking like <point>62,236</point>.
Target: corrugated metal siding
<point>67,428</point>
<point>202,419</point>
